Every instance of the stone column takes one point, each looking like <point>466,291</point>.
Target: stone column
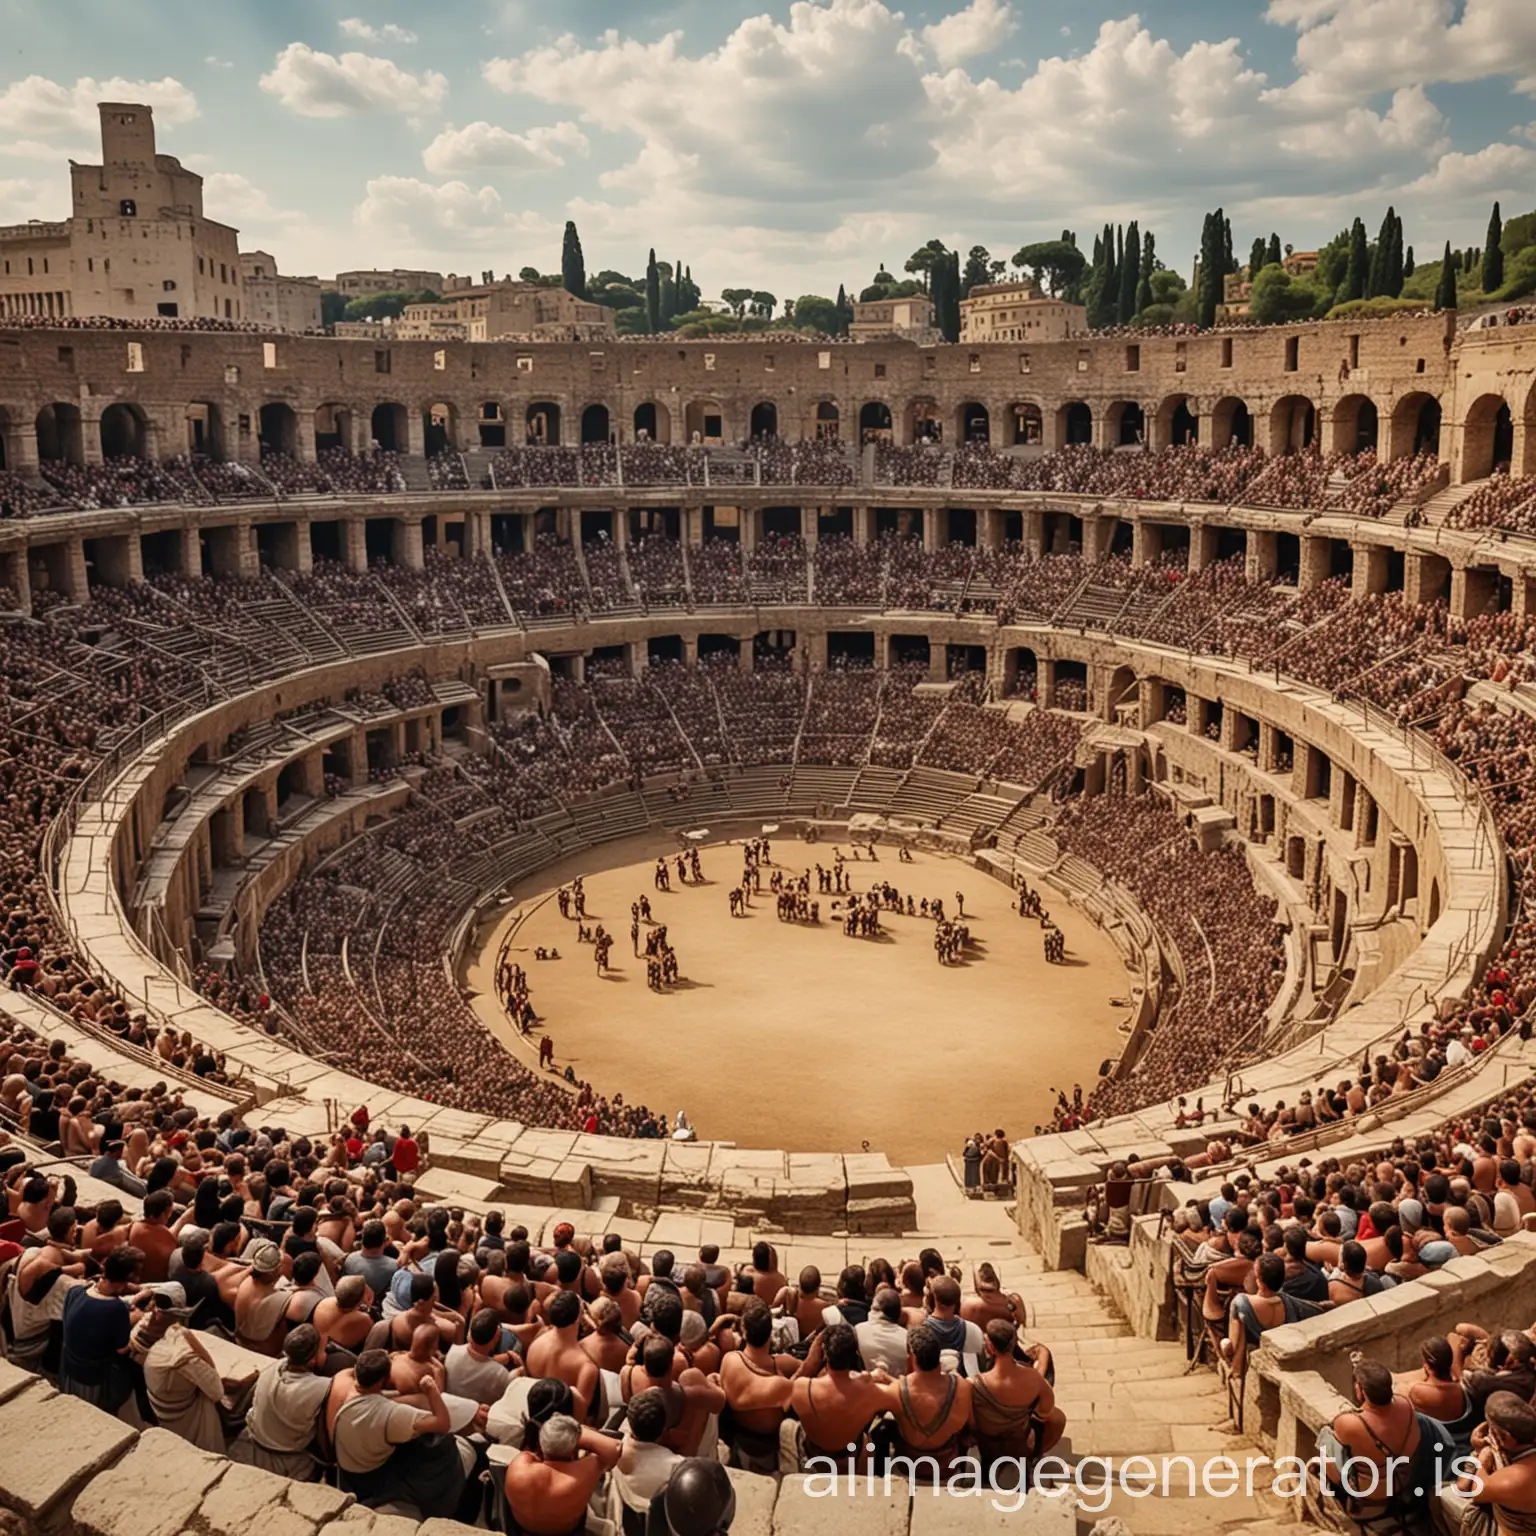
<point>190,552</point>
<point>810,526</point>
<point>1203,542</point>
<point>1314,563</point>
<point>990,533</point>
<point>938,662</point>
<point>1045,672</point>
<point>304,549</point>
<point>863,525</point>
<point>1362,814</point>
<point>406,547</point>
<point>1370,570</point>
<point>691,650</point>
<point>1269,746</point>
<point>814,644</point>
<point>931,516</point>
<point>693,526</point>
<point>636,654</point>
<point>312,774</point>
<point>357,544</point>
<point>76,578</point>
<point>1261,559</point>
<point>751,527</point>
<point>1034,534</point>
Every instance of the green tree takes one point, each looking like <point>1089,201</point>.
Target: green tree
<point>1256,258</point>
<point>738,299</point>
<point>815,313</point>
<point>1130,275</point>
<point>573,265</point>
<point>1493,253</point>
<point>1358,271</point>
<point>978,270</point>
<point>1166,286</point>
<point>764,304</point>
<point>1408,264</point>
<point>528,275</point>
<point>653,292</point>
<point>1272,257</point>
<point>921,262</point>
<point>844,311</point>
<point>1277,297</point>
<point>632,321</point>
<point>333,307</point>
<point>1394,262</point>
<point>1053,264</point>
<point>1445,293</point>
<point>1148,267</point>
<point>688,295</point>
<point>387,306</point>
<point>1214,243</point>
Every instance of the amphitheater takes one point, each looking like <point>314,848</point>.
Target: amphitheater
<point>320,682</point>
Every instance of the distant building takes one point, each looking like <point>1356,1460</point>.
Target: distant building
<point>365,284</point>
<point>275,302</point>
<point>1018,312</point>
<point>909,319</point>
<point>136,245</point>
<point>491,311</point>
<point>1237,287</point>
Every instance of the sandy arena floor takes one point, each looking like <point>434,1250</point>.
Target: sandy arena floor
<point>783,1035</point>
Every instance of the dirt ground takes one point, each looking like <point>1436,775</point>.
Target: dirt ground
<point>795,1036</point>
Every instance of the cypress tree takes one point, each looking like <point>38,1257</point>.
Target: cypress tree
<point>1274,258</point>
<point>1493,253</point>
<point>573,266</point>
<point>1358,270</point>
<point>1376,274</point>
<point>1212,267</point>
<point>1228,260</point>
<point>1130,275</point>
<point>1445,294</point>
<point>1408,264</point>
<point>1256,261</point>
<point>1148,263</point>
<point>841,308</point>
<point>1395,260</point>
<point>653,293</point>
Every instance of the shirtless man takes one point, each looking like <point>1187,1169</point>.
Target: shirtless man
<point>690,1395</point>
<point>548,1489</point>
<point>424,1309</point>
<point>930,1405</point>
<point>757,1392</point>
<point>835,1399</point>
<point>151,1234</point>
<point>410,1371</point>
<point>260,1304</point>
<point>606,1344</point>
<point>613,1275</point>
<point>1010,1397</point>
<point>1382,1425</point>
<point>803,1303</point>
<point>767,1278</point>
<point>556,1352</point>
<point>342,1320</point>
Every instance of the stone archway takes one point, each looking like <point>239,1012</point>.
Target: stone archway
<point>975,423</point>
<point>653,422</point>
<point>59,434</point>
<point>124,432</point>
<point>1176,425</point>
<point>1074,424</point>
<point>875,422</point>
<point>764,424</point>
<point>1487,438</point>
<point>387,427</point>
<point>594,425</point>
<point>1292,425</point>
<point>1415,426</point>
<point>1231,423</point>
<point>1356,427</point>
<point>279,430</point>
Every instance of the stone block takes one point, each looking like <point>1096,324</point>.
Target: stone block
<point>155,1490</point>
<point>50,1445</point>
<point>13,1380</point>
<point>628,1170</point>
<point>444,1528</point>
<point>869,1176</point>
<point>571,1183</point>
<point>249,1502</point>
<point>800,1513</point>
<point>978,1514</point>
<point>369,1522</point>
<point>883,1217</point>
<point>755,1498</point>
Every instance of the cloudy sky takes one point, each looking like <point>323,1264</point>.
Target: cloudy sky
<point>779,145</point>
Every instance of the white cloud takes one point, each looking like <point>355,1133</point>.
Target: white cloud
<point>233,199</point>
<point>21,200</point>
<point>316,84</point>
<point>40,105</point>
<point>1349,49</point>
<point>434,218</point>
<point>1494,168</point>
<point>483,145</point>
<point>982,26</point>
<point>34,149</point>
<point>355,26</point>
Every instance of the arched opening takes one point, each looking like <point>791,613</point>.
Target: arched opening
<point>440,430</point>
<point>1028,425</point>
<point>653,423</point>
<point>279,430</point>
<point>1231,423</point>
<point>1292,425</point>
<point>1415,426</point>
<point>975,423</point>
<point>875,422</point>
<point>387,427</point>
<point>765,421</point>
<point>924,423</point>
<point>1123,694</point>
<point>492,424</point>
<point>541,424</point>
<point>1355,425</point>
<point>1127,424</point>
<point>1074,424</point>
<point>122,432</point>
<point>827,422</point>
<point>1488,440</point>
<point>58,433</point>
<point>594,424</point>
<point>705,422</point>
<point>1176,423</point>
<point>333,427</point>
